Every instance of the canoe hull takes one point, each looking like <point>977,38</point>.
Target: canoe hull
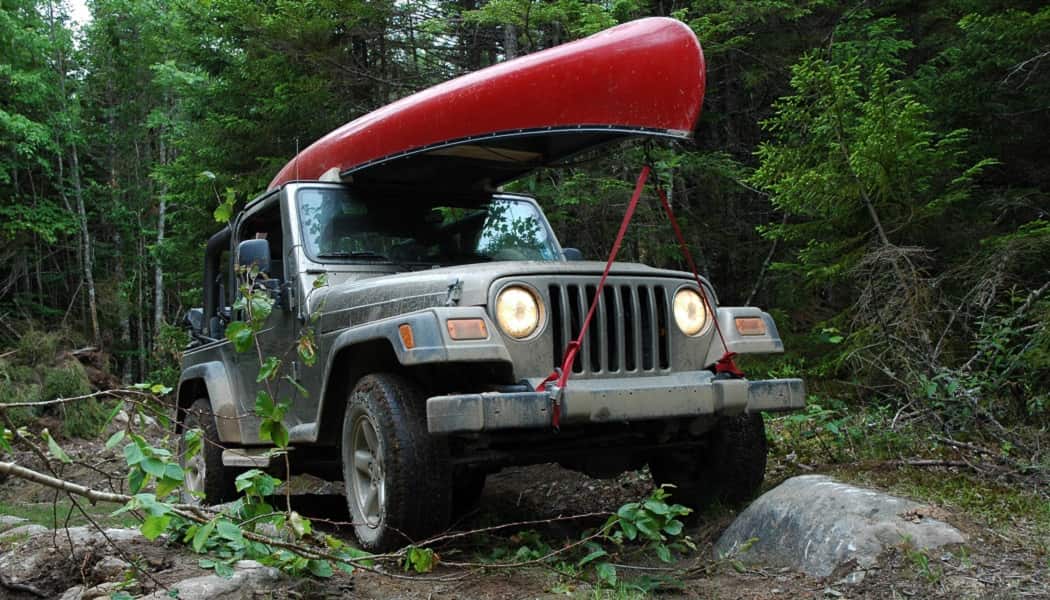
<point>642,78</point>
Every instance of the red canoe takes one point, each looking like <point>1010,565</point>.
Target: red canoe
<point>641,78</point>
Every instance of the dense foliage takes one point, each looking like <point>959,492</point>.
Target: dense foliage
<point>874,173</point>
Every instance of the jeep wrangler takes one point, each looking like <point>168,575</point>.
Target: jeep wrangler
<point>437,321</point>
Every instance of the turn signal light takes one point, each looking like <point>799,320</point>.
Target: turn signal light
<point>406,336</point>
<point>751,326</point>
<point>467,329</point>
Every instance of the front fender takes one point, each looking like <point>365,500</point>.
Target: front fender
<point>433,344</point>
<point>215,380</point>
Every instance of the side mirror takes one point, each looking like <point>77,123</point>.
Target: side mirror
<point>572,253</point>
<point>194,320</point>
<point>255,252</point>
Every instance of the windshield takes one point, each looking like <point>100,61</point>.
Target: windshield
<point>336,225</point>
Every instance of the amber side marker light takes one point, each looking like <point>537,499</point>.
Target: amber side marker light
<point>406,336</point>
<point>467,329</point>
<point>750,325</point>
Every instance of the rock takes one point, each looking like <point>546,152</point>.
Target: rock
<point>814,524</point>
<point>22,532</point>
<point>9,522</point>
<point>248,580</point>
<point>103,590</point>
<point>74,593</point>
<point>110,567</point>
<point>32,557</point>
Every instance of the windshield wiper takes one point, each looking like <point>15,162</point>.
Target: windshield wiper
<point>358,254</point>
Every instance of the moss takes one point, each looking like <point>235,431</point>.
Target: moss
<point>11,393</point>
<point>80,418</point>
<point>16,373</point>
<point>37,347</point>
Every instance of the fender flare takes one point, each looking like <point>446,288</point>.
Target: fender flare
<point>211,378</point>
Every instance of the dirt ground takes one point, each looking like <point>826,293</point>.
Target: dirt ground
<point>993,564</point>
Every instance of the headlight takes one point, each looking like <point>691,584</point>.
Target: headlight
<point>517,312</point>
<point>689,311</point>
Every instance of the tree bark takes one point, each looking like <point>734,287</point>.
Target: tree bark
<point>85,237</point>
<point>510,41</point>
<point>158,268</point>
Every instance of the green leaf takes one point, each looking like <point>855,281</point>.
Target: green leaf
<point>136,479</point>
<point>592,556</point>
<point>629,529</point>
<point>193,442</point>
<point>229,531</point>
<point>268,369</point>
<point>173,471</point>
<point>166,486</point>
<point>657,507</point>
<point>153,526</point>
<point>275,432</point>
<point>648,527</point>
<point>307,351</point>
<point>320,568</point>
<point>54,448</point>
<point>663,552</point>
<point>420,560</point>
<point>264,405</point>
<point>606,573</point>
<point>261,306</point>
<point>154,467</point>
<point>673,527</point>
<point>202,535</point>
<point>223,570</point>
<point>115,439</point>
<point>240,335</point>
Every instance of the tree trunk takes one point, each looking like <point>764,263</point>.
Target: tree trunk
<point>85,237</point>
<point>158,268</point>
<point>510,41</point>
<point>143,367</point>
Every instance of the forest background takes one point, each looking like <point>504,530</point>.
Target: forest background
<point>873,173</point>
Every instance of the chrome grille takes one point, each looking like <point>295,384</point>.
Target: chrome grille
<point>627,335</point>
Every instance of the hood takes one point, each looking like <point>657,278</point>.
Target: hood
<point>349,301</point>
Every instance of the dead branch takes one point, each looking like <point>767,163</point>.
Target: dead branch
<point>93,496</point>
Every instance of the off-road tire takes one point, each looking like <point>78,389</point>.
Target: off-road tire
<point>413,465</point>
<point>730,469</point>
<point>218,484</point>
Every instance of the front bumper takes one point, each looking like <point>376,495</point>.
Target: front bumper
<point>623,400</point>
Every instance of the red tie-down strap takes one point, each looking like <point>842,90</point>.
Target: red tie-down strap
<point>726,363</point>
<point>560,376</point>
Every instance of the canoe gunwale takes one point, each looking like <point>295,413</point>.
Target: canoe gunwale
<point>625,131</point>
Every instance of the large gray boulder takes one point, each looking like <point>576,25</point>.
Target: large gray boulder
<point>815,524</point>
<point>250,580</point>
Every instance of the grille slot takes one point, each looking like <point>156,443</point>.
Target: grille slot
<point>627,335</point>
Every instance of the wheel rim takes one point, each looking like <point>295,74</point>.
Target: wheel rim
<point>368,482</point>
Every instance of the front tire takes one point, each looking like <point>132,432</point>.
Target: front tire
<point>205,479</point>
<point>397,477</point>
<point>730,469</point>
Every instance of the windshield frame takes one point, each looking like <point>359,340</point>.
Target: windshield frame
<point>373,263</point>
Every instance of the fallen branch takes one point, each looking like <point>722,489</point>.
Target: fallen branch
<point>93,496</point>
